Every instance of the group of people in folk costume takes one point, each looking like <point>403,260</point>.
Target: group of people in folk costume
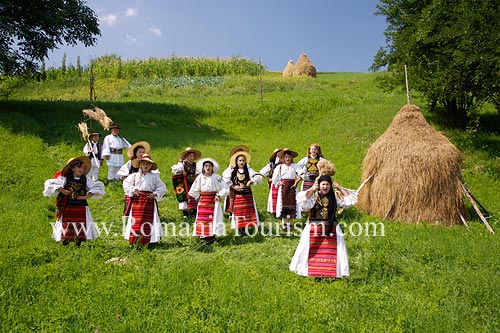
<point>200,191</point>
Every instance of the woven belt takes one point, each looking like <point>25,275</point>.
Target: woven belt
<point>116,150</point>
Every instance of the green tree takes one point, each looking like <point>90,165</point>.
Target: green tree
<point>79,68</point>
<point>451,47</point>
<point>30,28</point>
<point>63,65</point>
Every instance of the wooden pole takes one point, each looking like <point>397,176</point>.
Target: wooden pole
<point>480,206</point>
<point>463,221</point>
<point>364,183</point>
<point>260,81</point>
<point>95,157</point>
<point>407,85</point>
<point>478,211</point>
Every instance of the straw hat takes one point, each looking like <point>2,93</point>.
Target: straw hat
<point>272,158</point>
<point>236,155</point>
<point>199,164</point>
<point>115,125</point>
<point>237,149</point>
<point>284,151</point>
<point>145,157</point>
<point>197,153</point>
<point>94,133</point>
<point>145,144</point>
<point>84,159</point>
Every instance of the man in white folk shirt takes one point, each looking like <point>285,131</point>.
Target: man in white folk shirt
<point>112,151</point>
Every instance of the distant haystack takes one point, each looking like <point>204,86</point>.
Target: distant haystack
<point>416,173</point>
<point>288,71</point>
<point>304,66</point>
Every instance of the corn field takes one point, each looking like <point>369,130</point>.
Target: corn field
<point>113,67</point>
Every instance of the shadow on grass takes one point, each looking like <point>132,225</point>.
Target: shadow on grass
<point>165,125</point>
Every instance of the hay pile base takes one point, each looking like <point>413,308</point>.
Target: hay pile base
<point>416,173</point>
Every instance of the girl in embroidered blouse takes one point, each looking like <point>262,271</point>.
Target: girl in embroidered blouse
<point>184,175</point>
<point>208,188</point>
<point>145,188</point>
<point>321,251</point>
<point>242,202</point>
<point>286,176</point>
<point>74,221</point>
<point>134,152</point>
<point>310,165</point>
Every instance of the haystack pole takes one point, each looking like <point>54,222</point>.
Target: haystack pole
<point>478,211</point>
<point>407,85</point>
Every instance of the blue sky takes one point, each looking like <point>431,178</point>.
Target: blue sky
<point>336,35</point>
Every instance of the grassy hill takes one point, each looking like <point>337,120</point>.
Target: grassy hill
<point>413,278</point>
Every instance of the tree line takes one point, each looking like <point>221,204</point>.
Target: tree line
<point>452,50</point>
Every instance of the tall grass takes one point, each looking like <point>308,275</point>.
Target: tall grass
<point>415,278</point>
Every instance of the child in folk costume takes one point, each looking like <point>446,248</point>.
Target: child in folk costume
<point>208,188</point>
<point>145,189</point>
<point>267,171</point>
<point>310,165</point>
<point>184,175</point>
<point>112,151</point>
<point>321,251</point>
<point>93,149</point>
<point>286,176</point>
<point>227,173</point>
<point>73,188</point>
<point>242,203</point>
<point>135,151</point>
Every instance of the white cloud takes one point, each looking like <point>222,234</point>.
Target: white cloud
<point>110,19</point>
<point>131,12</point>
<point>130,39</point>
<point>156,31</point>
<point>134,40</point>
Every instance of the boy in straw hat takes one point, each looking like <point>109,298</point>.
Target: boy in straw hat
<point>208,188</point>
<point>72,187</point>
<point>321,251</point>
<point>267,171</point>
<point>286,177</point>
<point>112,151</point>
<point>93,149</point>
<point>184,175</point>
<point>145,189</point>
<point>241,201</point>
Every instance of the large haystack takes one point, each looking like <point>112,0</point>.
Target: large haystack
<point>304,66</point>
<point>288,71</point>
<point>416,173</point>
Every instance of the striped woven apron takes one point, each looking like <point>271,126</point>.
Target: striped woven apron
<point>205,216</point>
<point>244,209</point>
<point>143,209</point>
<point>322,260</point>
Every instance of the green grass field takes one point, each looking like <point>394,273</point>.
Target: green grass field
<point>421,278</point>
